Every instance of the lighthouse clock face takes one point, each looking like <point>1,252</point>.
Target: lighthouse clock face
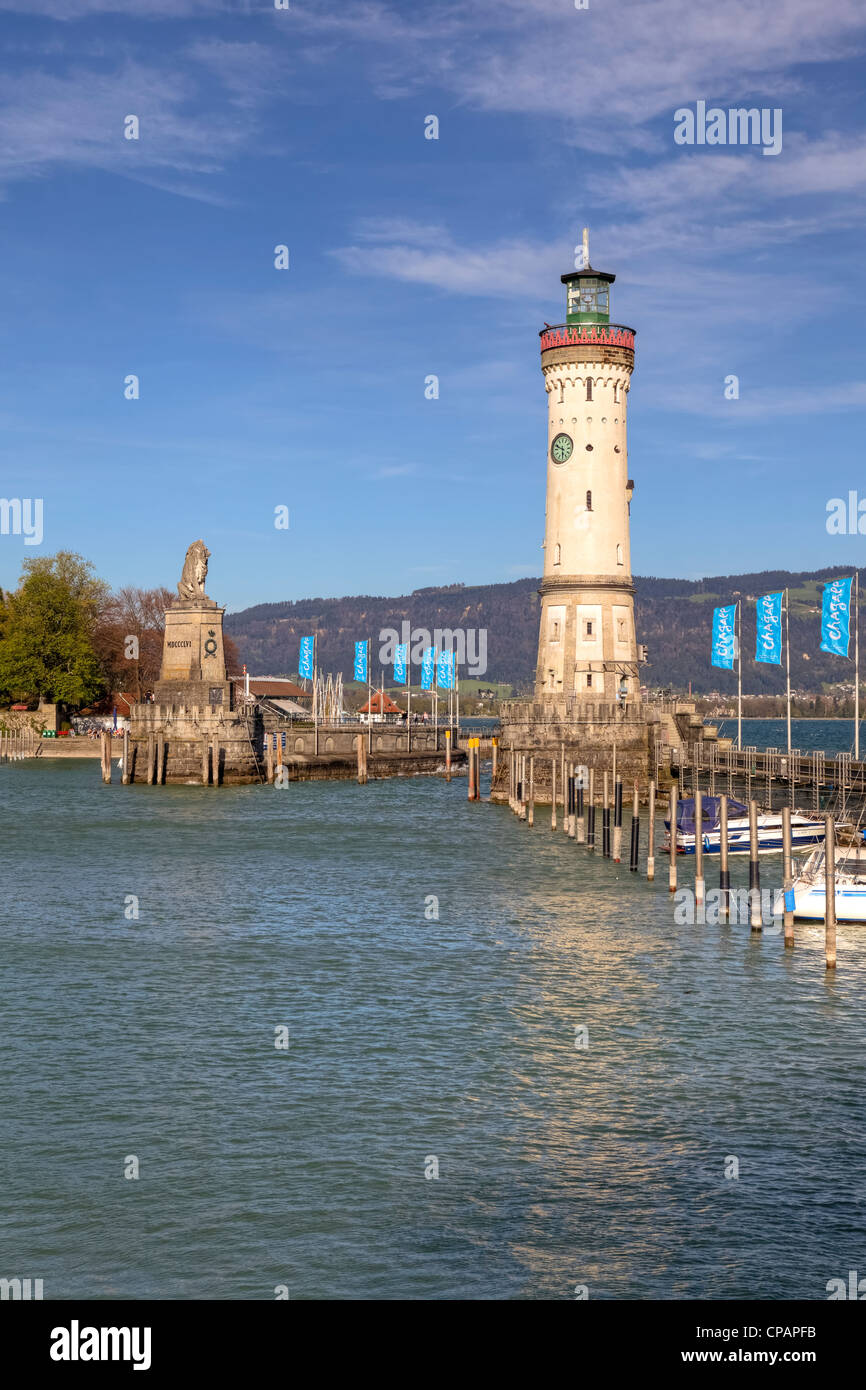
<point>561,449</point>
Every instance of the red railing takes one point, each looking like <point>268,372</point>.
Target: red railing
<point>606,334</point>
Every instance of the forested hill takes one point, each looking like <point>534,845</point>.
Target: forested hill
<point>674,619</point>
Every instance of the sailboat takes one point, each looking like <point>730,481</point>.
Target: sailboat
<point>809,886</point>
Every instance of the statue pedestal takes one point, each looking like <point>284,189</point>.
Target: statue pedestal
<point>193,658</point>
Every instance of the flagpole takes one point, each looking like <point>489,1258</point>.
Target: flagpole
<point>315,696</point>
<point>856,666</point>
<point>369,702</point>
<point>740,676</point>
<point>409,696</point>
<point>788,668</point>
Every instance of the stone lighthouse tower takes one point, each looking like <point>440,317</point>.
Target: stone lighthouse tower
<point>586,643</point>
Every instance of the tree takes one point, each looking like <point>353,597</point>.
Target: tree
<point>128,637</point>
<point>46,649</point>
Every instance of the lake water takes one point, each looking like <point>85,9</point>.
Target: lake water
<point>411,1039</point>
<point>831,735</point>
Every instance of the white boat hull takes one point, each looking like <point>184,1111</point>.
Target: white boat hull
<point>805,834</point>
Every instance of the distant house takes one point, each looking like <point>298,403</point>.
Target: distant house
<point>380,706</point>
<point>277,687</point>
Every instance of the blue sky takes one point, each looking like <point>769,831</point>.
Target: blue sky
<point>411,257</point>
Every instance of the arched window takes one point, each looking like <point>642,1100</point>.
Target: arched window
<point>589,501</point>
<point>616,393</point>
<point>589,388</point>
<point>557,554</point>
<point>619,555</point>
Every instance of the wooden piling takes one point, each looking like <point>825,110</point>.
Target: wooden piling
<point>553,793</point>
<point>205,761</point>
<point>651,834</point>
<point>269,760</point>
<point>754,869</point>
<point>787,877</point>
<point>160,759</point>
<point>635,829</point>
<point>590,812</point>
<point>830,892</point>
<point>494,744</point>
<point>127,765</point>
<point>216,760</point>
<point>447,755</point>
<point>672,816</point>
<point>724,874</point>
<point>531,810</point>
<point>700,894</point>
<point>605,822</point>
<point>106,755</point>
<point>579,808</point>
<point>361,744</point>
<point>151,758</point>
<point>617,820</point>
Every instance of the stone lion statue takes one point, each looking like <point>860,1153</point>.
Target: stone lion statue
<point>191,583</point>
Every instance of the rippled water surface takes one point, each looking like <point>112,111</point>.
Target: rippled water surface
<point>410,1038</point>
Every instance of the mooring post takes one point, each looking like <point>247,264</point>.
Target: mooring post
<point>531,812</point>
<point>470,770</point>
<point>562,777</point>
<point>700,895</point>
<point>787,876</point>
<point>569,819</point>
<point>125,779</point>
<point>205,761</point>
<point>635,829</point>
<point>605,822</point>
<point>590,812</point>
<point>151,757</point>
<point>579,810</point>
<point>447,755</point>
<point>361,745</point>
<point>524,789</point>
<point>494,746</point>
<point>553,793</point>
<point>106,755</point>
<point>754,869</point>
<point>617,820</point>
<point>269,760</point>
<point>830,892</point>
<point>724,875</point>
<point>672,815</point>
<point>651,834</point>
<point>216,759</point>
<point>160,758</point>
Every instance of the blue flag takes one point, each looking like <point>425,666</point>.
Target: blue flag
<point>445,674</point>
<point>768,642</point>
<point>836,617</point>
<point>305,661</point>
<point>724,636</point>
<point>400,659</point>
<point>428,666</point>
<point>360,672</point>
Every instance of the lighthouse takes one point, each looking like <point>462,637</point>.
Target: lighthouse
<point>586,644</point>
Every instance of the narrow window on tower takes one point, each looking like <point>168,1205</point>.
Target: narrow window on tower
<point>589,388</point>
<point>587,628</point>
<point>589,680</point>
<point>619,555</point>
<point>555,632</point>
<point>616,393</point>
<point>557,554</point>
<point>589,501</point>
